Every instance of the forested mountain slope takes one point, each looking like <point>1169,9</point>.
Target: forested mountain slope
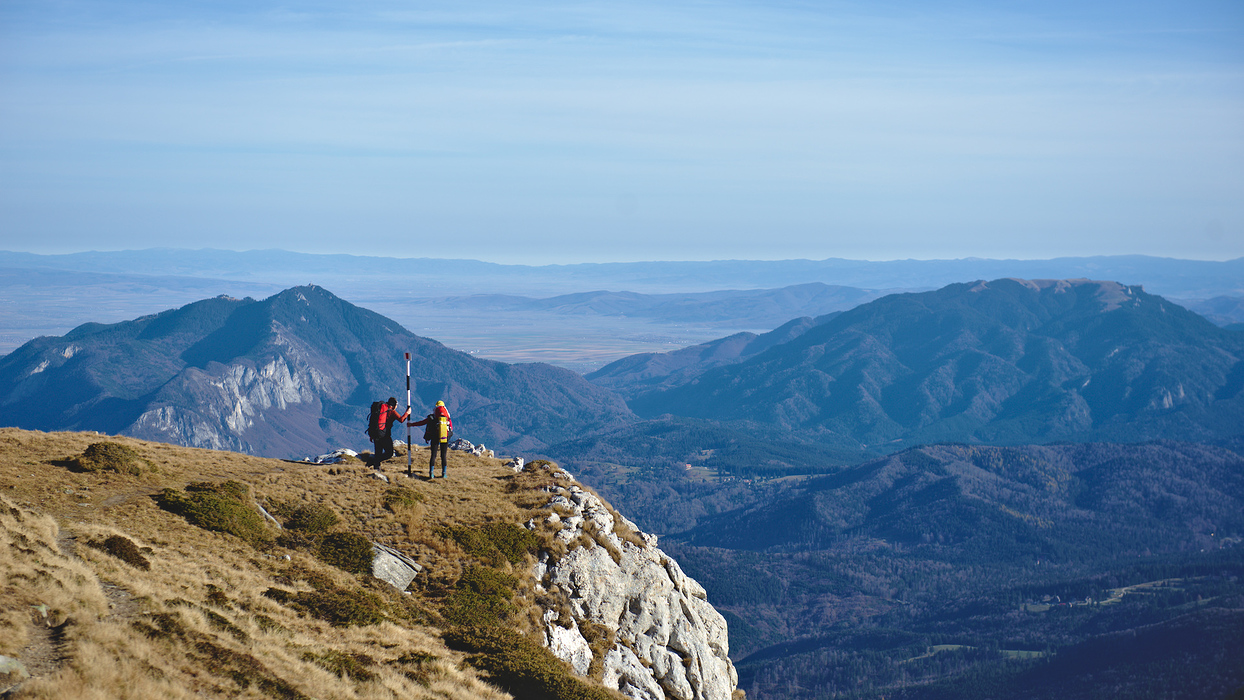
<point>645,372</point>
<point>1008,361</point>
<point>975,572</point>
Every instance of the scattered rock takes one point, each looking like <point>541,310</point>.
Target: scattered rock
<point>462,445</point>
<point>516,464</point>
<point>12,673</point>
<point>334,457</point>
<point>380,476</point>
<point>569,645</point>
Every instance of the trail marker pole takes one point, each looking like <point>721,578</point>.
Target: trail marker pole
<point>408,417</point>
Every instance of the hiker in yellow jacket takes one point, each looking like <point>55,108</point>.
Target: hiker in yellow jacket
<point>440,429</point>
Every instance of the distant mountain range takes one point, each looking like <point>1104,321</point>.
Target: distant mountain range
<point>1002,362</point>
<point>759,308</point>
<point>421,277</point>
<point>288,376</point>
<point>576,316</point>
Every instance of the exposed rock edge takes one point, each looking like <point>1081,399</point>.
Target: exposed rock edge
<point>667,642</point>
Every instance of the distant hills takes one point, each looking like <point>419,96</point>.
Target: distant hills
<point>1073,503</point>
<point>422,277</point>
<point>577,316</point>
<point>758,308</point>
<point>1002,362</point>
<point>1089,557</point>
<point>291,375</point>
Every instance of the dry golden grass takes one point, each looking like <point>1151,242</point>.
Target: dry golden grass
<point>197,622</point>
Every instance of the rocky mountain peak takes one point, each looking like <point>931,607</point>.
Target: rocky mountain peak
<point>290,375</point>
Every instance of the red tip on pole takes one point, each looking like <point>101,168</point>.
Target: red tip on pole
<point>408,356</point>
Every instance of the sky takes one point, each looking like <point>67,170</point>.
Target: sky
<point>563,132</point>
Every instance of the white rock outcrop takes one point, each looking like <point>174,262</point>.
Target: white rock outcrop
<point>465,446</point>
<point>656,636</point>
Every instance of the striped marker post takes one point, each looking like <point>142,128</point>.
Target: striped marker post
<point>408,417</point>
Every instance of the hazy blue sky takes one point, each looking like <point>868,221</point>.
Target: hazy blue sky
<point>567,132</point>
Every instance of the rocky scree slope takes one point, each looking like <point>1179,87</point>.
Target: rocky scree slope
<point>288,376</point>
<point>115,584</point>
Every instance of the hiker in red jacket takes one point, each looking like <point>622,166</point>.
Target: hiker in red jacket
<point>382,436</point>
<point>438,433</point>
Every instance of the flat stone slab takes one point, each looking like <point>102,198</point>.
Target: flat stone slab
<point>393,567</point>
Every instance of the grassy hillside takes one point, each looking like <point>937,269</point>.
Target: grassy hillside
<point>111,589</point>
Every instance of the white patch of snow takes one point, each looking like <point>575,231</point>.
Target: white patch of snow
<point>39,368</point>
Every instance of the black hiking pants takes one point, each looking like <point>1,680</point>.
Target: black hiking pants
<point>383,451</point>
<point>444,449</point>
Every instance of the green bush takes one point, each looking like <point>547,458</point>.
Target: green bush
<point>110,456</point>
<point>398,497</point>
<point>337,606</point>
<point>312,518</point>
<point>222,507</point>
<point>346,551</point>
<point>233,489</point>
<point>521,666</point>
<point>486,543</point>
<point>481,598</point>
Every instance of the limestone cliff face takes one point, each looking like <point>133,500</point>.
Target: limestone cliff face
<point>246,405</point>
<point>654,634</point>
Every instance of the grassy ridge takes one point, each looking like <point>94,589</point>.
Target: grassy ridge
<point>230,606</point>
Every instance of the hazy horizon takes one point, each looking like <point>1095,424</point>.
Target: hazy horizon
<point>577,132</point>
<point>608,262</point>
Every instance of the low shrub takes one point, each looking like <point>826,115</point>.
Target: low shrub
<point>125,550</point>
<point>354,666</point>
<point>110,456</point>
<point>339,607</point>
<point>481,597</point>
<point>486,543</point>
<point>221,507</point>
<point>312,518</point>
<point>522,666</point>
<point>398,497</point>
<point>233,489</point>
<point>346,551</point>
